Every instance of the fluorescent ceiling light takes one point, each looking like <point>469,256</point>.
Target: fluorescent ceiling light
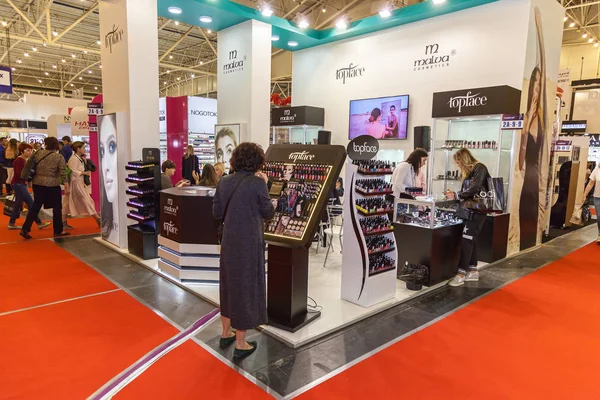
<point>267,11</point>
<point>274,38</point>
<point>206,19</point>
<point>385,13</point>
<point>292,43</point>
<point>174,10</point>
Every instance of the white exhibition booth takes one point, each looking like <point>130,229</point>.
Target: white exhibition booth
<point>490,45</point>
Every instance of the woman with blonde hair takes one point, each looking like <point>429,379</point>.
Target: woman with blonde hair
<point>475,176</point>
<point>189,164</point>
<point>220,170</point>
<point>10,155</point>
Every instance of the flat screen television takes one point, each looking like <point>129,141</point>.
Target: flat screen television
<point>382,118</point>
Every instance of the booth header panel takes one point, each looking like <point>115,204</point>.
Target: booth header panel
<point>302,115</point>
<point>478,101</point>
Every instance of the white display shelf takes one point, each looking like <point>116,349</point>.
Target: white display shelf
<point>359,285</point>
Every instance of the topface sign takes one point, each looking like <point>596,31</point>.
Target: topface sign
<point>480,101</point>
<point>363,147</point>
<point>433,58</point>
<point>5,80</point>
<point>352,71</point>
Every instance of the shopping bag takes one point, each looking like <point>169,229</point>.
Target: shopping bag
<point>9,205</point>
<point>490,199</point>
<point>576,217</point>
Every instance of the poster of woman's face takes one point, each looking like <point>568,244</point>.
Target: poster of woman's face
<point>109,183</point>
<point>227,138</point>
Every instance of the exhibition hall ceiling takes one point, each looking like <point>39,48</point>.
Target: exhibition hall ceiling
<point>53,45</point>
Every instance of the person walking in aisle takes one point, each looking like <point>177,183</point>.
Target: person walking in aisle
<point>242,202</point>
<point>78,202</point>
<point>475,176</point>
<point>50,169</point>
<point>189,164</point>
<point>10,155</point>
<point>66,150</point>
<point>594,183</point>
<point>21,191</point>
<point>3,175</point>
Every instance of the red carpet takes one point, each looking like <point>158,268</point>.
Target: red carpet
<point>39,272</point>
<point>189,372</point>
<point>536,338</point>
<point>83,226</point>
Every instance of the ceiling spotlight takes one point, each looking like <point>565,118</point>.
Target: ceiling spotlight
<point>100,66</point>
<point>438,1</point>
<point>208,31</point>
<point>201,62</point>
<point>178,78</point>
<point>168,72</point>
<point>13,68</point>
<point>341,23</point>
<point>3,23</point>
<point>584,35</point>
<point>174,10</point>
<point>89,71</point>
<point>176,22</point>
<point>46,73</point>
<point>170,57</point>
<point>54,33</point>
<point>566,18</point>
<point>572,25</point>
<point>26,54</point>
<point>266,11</point>
<point>596,44</point>
<point>95,87</point>
<point>54,66</point>
<point>19,61</point>
<point>98,42</point>
<point>206,19</point>
<point>324,10</point>
<point>591,40</point>
<point>39,80</point>
<point>34,48</point>
<point>80,78</point>
<point>72,85</point>
<point>63,60</point>
<point>85,52</point>
<point>44,43</point>
<point>292,43</point>
<point>303,24</point>
<point>274,38</point>
<point>73,55</point>
<point>385,13</point>
<point>165,83</point>
<point>193,75</point>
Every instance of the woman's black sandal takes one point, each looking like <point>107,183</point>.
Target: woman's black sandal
<point>226,342</point>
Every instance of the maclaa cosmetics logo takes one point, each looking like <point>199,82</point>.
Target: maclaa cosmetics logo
<point>234,65</point>
<point>302,156</point>
<point>287,116</point>
<point>469,100</point>
<point>433,58</point>
<point>169,209</point>
<point>170,228</point>
<point>353,71</point>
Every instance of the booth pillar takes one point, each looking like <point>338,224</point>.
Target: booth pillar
<point>129,50</point>
<point>244,76</point>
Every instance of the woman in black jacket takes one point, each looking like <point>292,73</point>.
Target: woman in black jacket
<point>475,176</point>
<point>189,164</point>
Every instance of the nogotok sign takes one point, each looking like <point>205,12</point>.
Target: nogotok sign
<point>363,147</point>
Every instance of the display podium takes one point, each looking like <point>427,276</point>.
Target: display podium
<point>301,177</point>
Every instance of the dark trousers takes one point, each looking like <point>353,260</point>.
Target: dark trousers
<point>3,176</point>
<point>597,205</point>
<point>51,196</point>
<point>468,252</point>
<point>22,196</point>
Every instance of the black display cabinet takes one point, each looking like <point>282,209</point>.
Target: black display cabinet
<point>143,237</point>
<point>301,177</point>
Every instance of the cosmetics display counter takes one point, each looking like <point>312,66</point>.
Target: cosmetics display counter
<point>300,180</point>
<point>188,246</point>
<point>428,233</point>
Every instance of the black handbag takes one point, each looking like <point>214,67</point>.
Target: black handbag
<point>221,226</point>
<point>9,205</point>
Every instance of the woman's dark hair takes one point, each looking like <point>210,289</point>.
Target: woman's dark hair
<point>209,176</point>
<point>374,115</point>
<point>51,143</point>
<point>392,107</point>
<point>75,146</point>
<point>168,164</point>
<point>248,157</point>
<point>415,157</point>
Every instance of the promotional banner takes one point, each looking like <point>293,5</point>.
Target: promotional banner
<point>202,115</point>
<point>162,114</point>
<point>109,177</point>
<point>532,188</point>
<point>80,122</point>
<point>227,138</point>
<point>5,80</point>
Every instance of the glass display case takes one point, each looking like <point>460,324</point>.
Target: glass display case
<point>483,137</point>
<point>295,134</point>
<point>426,213</point>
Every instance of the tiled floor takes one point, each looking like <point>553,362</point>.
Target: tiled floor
<point>288,371</point>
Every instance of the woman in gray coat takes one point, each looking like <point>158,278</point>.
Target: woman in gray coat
<point>242,266</point>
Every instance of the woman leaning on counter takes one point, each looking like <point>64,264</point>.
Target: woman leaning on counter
<point>408,174</point>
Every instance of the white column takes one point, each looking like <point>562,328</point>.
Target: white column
<point>244,78</point>
<point>129,42</point>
